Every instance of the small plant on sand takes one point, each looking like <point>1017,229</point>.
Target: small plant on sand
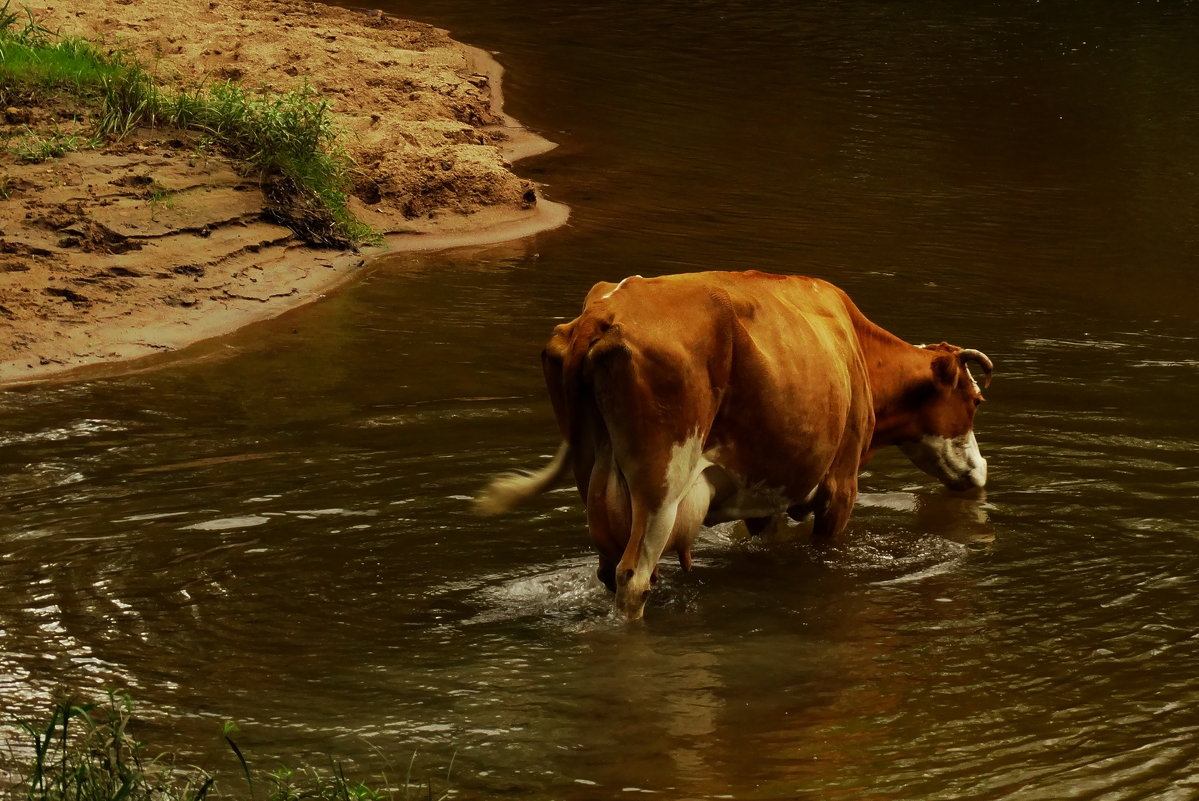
<point>159,197</point>
<point>35,147</point>
<point>202,149</point>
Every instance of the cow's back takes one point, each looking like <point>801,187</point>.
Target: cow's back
<point>765,369</point>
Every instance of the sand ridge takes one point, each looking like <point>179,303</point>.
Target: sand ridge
<point>155,242</point>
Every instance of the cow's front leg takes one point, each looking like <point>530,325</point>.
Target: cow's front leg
<point>835,495</point>
<point>832,506</point>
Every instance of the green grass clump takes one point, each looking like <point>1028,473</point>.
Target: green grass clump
<point>34,147</point>
<point>290,138</point>
<point>290,135</point>
<point>86,752</point>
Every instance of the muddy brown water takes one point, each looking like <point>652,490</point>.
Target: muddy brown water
<point>275,531</point>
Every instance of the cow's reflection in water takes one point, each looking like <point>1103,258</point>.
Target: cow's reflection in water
<point>954,517</point>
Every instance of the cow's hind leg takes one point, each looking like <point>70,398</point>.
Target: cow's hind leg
<point>608,513</point>
<point>654,406</point>
<point>652,524</point>
<point>659,525</point>
<point>606,573</point>
<point>756,525</point>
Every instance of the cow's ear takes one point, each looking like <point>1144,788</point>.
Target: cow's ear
<point>946,370</point>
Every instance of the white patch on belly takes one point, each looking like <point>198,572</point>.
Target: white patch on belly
<point>686,466</point>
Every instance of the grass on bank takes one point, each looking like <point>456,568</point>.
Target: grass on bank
<point>86,752</point>
<point>35,146</point>
<point>289,137</point>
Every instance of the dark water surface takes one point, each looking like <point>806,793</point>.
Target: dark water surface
<point>277,533</point>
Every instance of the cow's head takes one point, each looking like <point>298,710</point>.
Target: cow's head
<point>940,440</point>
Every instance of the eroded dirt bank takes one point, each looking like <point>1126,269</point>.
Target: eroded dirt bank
<point>155,242</point>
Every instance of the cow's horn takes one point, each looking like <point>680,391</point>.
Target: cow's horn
<point>967,355</point>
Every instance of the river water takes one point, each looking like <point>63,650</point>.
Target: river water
<point>275,531</point>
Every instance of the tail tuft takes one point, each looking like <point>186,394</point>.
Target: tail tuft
<point>507,490</point>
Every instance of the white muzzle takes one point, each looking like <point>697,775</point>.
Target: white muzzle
<point>956,461</point>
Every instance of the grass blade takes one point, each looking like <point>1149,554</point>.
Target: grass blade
<point>245,767</point>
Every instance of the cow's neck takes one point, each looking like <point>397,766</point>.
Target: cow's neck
<point>898,372</point>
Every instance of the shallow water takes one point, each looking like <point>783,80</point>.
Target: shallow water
<point>275,530</point>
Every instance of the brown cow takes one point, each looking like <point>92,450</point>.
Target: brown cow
<point>706,397</point>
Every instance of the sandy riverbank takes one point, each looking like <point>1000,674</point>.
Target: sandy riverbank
<point>153,243</point>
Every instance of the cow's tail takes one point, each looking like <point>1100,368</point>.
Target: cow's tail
<point>509,489</point>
